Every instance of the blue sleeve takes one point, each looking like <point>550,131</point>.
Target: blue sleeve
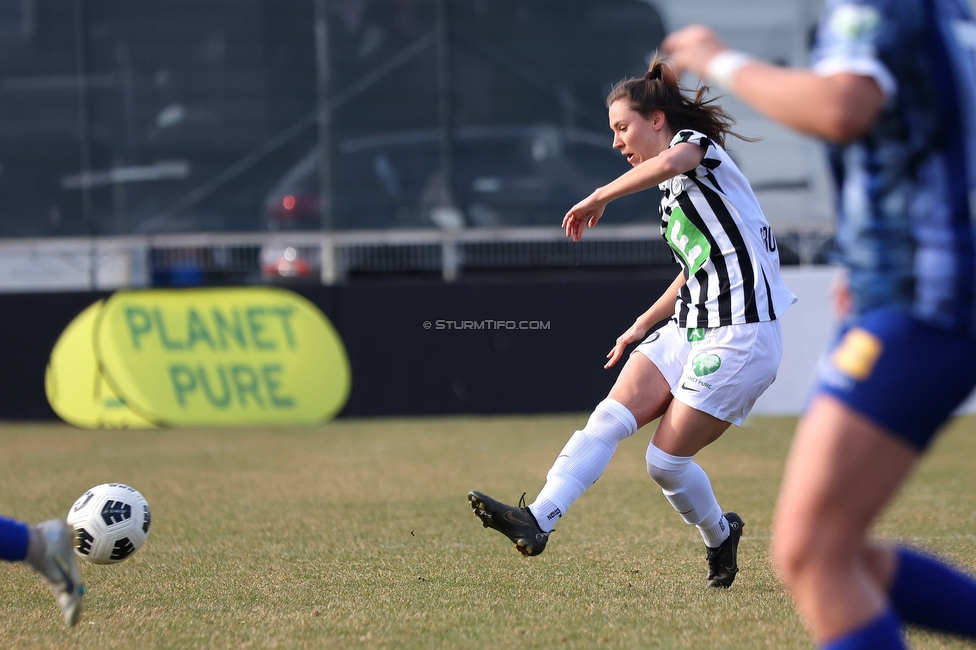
<point>872,38</point>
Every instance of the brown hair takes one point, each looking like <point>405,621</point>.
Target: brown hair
<point>659,90</point>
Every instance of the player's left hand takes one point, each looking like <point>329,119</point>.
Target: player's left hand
<point>690,49</point>
<point>635,333</point>
<point>585,213</point>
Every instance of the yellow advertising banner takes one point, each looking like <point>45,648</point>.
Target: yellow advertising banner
<point>74,385</point>
<point>206,357</point>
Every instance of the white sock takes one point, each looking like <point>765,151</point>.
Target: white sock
<point>546,513</point>
<point>687,488</point>
<point>582,461</point>
<point>715,534</point>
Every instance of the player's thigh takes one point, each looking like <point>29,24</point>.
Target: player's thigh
<point>841,471</point>
<point>642,388</point>
<point>684,431</point>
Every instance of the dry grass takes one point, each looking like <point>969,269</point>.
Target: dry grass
<point>357,534</point>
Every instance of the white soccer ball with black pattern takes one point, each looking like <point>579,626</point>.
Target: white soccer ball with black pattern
<point>111,522</point>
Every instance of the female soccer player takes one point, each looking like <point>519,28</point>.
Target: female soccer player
<point>49,549</point>
<point>722,344</point>
<point>893,87</point>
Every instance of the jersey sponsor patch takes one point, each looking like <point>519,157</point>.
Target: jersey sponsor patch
<point>855,21</point>
<point>687,241</point>
<point>857,354</point>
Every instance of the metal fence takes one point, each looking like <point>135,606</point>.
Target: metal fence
<point>250,258</point>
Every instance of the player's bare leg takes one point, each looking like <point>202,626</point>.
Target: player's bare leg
<point>642,388</point>
<point>841,472</point>
<point>684,431</point>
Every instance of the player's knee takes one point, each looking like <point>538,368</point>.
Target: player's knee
<point>662,477</point>
<point>797,551</point>
<point>611,422</point>
<point>667,471</point>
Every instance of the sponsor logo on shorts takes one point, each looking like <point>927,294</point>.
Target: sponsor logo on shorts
<point>653,337</point>
<point>694,381</point>
<point>697,334</point>
<point>705,363</point>
<point>828,376</point>
<point>857,354</point>
<point>685,386</point>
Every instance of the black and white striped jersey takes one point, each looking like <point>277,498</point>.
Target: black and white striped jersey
<point>712,221</point>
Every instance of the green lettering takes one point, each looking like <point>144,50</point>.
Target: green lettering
<point>236,330</point>
<point>223,400</point>
<point>183,382</point>
<point>246,381</point>
<point>169,345</point>
<point>272,381</point>
<point>196,330</point>
<point>139,323</point>
<point>254,320</point>
<point>284,313</point>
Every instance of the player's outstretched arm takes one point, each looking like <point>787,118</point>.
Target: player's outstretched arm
<point>839,108</point>
<point>662,309</point>
<point>669,163</point>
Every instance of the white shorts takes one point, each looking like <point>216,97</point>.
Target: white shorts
<point>721,371</point>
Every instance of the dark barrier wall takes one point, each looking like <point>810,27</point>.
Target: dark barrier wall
<point>416,348</point>
<point>29,326</point>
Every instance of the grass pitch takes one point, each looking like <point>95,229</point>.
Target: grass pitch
<point>358,535</point>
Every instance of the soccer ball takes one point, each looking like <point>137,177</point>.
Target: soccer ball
<point>111,522</point>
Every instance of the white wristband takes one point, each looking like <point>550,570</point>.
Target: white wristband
<point>723,66</point>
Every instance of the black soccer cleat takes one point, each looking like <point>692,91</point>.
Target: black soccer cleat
<point>516,523</point>
<point>722,562</point>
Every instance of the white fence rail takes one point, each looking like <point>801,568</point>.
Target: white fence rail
<point>108,263</point>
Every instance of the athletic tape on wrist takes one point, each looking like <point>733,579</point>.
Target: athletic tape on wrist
<point>723,66</point>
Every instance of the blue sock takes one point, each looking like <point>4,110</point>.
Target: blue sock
<point>13,540</point>
<point>883,633</point>
<point>931,594</point>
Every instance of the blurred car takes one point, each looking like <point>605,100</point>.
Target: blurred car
<point>501,176</point>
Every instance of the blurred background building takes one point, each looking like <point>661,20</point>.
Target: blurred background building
<point>225,141</point>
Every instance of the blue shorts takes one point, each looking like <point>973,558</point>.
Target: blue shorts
<point>903,374</point>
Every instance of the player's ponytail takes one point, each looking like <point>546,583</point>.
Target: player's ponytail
<point>658,89</point>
